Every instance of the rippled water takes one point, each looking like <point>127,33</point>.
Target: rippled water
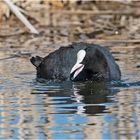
<point>31,109</point>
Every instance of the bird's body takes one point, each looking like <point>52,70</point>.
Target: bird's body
<point>78,62</point>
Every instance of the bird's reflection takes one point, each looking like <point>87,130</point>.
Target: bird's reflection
<point>67,106</point>
<point>85,97</point>
<point>93,95</point>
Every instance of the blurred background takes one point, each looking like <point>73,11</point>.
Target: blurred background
<point>64,21</point>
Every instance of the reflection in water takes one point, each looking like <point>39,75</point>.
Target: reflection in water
<point>66,110</point>
<point>71,107</point>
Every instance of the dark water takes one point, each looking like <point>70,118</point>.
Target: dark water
<point>64,110</point>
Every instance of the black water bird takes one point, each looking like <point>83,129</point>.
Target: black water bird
<point>78,62</point>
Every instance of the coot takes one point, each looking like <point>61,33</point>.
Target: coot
<point>78,62</point>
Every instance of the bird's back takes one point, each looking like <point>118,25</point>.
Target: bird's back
<point>58,64</point>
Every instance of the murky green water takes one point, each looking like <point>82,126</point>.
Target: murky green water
<point>64,110</point>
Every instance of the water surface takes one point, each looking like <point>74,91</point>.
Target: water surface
<point>31,109</point>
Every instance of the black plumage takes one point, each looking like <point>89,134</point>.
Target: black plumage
<point>98,62</point>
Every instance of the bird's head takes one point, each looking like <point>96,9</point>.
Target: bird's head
<point>79,66</point>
